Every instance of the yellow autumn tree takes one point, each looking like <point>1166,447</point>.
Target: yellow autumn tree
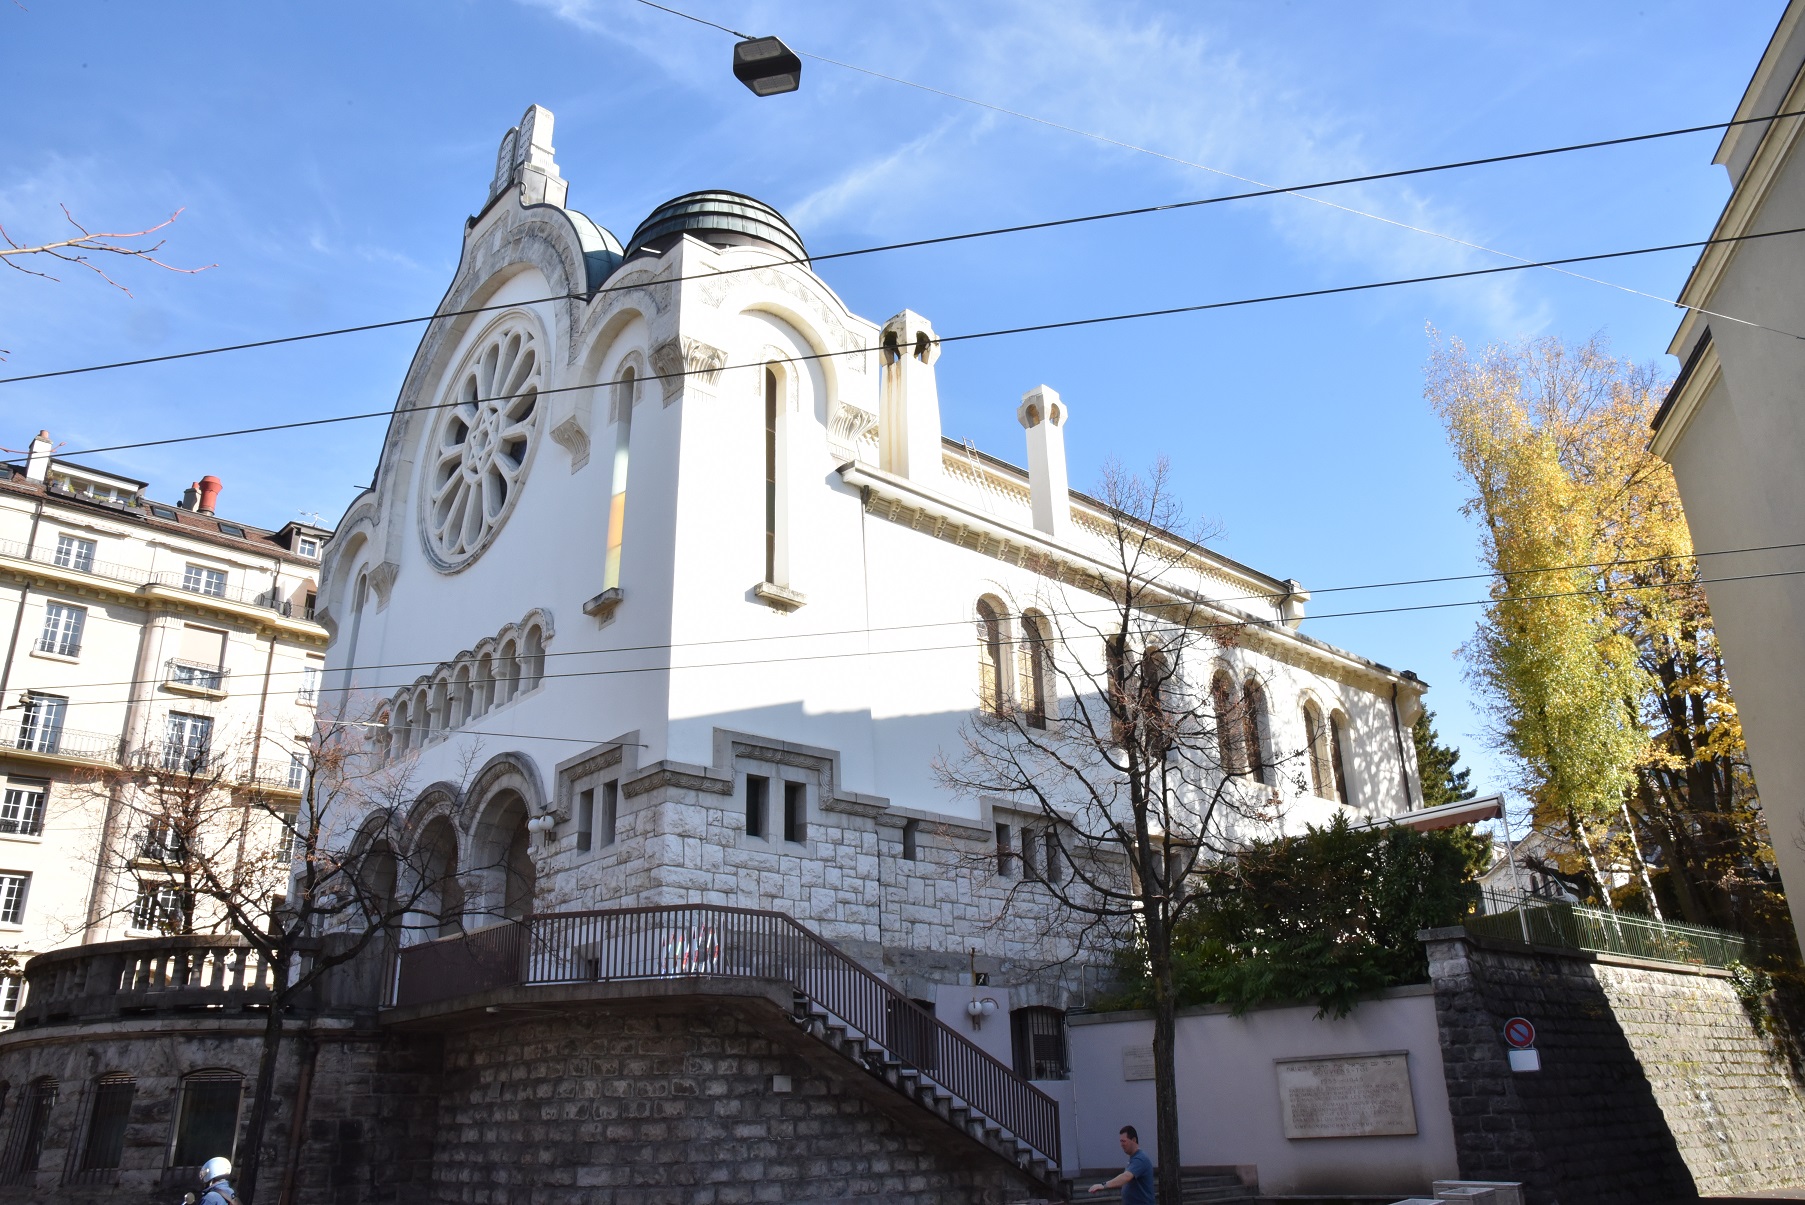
<point>1596,655</point>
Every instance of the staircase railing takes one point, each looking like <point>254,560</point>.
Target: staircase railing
<point>683,940</point>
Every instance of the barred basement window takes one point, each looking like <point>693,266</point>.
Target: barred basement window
<point>207,1118</point>
<point>1037,1035</point>
<point>25,1139</point>
<point>107,1119</point>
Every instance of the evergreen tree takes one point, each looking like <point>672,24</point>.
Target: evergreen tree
<point>1435,764</point>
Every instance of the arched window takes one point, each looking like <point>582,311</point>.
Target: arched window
<point>104,1142</point>
<point>1228,726</point>
<point>1316,745</point>
<point>1037,670</point>
<point>991,683</point>
<point>439,710</point>
<point>626,393</point>
<point>507,672</point>
<point>422,718</point>
<point>1337,737</point>
<point>460,695</point>
<point>482,686</point>
<point>1037,1035</point>
<point>441,895</point>
<point>1115,672</point>
<point>400,738</point>
<point>1253,736</point>
<point>1156,683</point>
<point>207,1117</point>
<point>532,670</point>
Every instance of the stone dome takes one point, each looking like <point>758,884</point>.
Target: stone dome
<point>718,216</point>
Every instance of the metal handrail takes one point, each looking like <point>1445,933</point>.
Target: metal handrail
<point>197,674</point>
<point>59,741</point>
<point>1540,920</point>
<point>683,940</point>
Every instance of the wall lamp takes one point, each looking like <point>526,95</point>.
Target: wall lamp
<point>978,1009</point>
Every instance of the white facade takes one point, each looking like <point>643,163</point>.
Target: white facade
<point>1734,431</point>
<point>131,626</point>
<point>653,646</point>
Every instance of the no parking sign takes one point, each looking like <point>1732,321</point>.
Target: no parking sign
<point>1520,1036</point>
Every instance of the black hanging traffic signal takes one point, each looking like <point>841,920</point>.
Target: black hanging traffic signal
<point>767,66</point>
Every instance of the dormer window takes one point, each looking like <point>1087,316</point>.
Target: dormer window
<point>307,546</point>
<point>233,530</point>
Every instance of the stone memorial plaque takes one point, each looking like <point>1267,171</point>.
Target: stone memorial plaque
<point>1137,1062</point>
<point>1350,1096</point>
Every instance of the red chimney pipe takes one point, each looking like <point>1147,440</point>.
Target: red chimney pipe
<point>209,487</point>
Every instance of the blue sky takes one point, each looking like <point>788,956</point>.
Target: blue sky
<point>325,157</point>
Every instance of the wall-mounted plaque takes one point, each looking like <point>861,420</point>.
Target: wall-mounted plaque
<point>1137,1062</point>
<point>1350,1096</point>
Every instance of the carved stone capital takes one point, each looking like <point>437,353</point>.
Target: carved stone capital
<point>573,437</point>
<point>682,361</point>
<point>848,425</point>
<point>382,580</point>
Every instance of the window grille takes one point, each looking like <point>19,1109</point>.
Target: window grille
<point>25,1139</point>
<point>198,579</point>
<point>107,1119</point>
<point>73,552</point>
<point>22,810</point>
<point>12,898</point>
<point>1037,1034</point>
<point>207,1119</point>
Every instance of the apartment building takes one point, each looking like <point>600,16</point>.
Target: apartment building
<point>141,636</point>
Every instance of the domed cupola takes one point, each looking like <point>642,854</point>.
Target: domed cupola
<point>718,216</point>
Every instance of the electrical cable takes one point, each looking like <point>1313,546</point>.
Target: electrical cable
<point>1293,192</point>
<point>1049,224</point>
<point>1214,625</point>
<point>970,336</point>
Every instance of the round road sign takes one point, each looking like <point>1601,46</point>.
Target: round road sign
<point>1519,1033</point>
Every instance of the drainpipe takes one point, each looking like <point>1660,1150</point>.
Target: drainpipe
<point>1397,730</point>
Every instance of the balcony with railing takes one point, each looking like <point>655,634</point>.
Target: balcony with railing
<point>1538,920</point>
<point>195,677</point>
<point>63,744</point>
<point>209,973</point>
<point>890,1033</point>
<point>143,579</point>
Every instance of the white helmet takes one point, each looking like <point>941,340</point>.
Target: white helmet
<point>217,1168</point>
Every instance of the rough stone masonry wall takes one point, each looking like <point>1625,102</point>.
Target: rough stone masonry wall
<point>1655,1085</point>
<point>672,1105</point>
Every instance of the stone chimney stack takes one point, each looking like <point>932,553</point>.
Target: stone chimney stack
<point>908,419</point>
<point>1043,415</point>
<point>37,465</point>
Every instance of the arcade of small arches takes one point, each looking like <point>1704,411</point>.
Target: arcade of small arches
<point>475,682</point>
<point>1244,745</point>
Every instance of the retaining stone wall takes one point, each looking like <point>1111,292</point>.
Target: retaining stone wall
<point>1655,1085</point>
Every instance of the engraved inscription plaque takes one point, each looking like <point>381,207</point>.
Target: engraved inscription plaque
<point>1137,1062</point>
<point>1351,1096</point>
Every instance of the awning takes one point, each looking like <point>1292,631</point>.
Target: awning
<point>1445,815</point>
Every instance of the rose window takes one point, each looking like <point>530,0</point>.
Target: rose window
<point>477,460</point>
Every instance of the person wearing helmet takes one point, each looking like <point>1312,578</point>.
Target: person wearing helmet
<point>216,1184</point>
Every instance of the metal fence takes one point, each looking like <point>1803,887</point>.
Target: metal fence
<point>684,940</point>
<point>1552,922</point>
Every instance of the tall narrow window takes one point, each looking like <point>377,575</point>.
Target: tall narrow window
<point>1338,734</point>
<point>911,836</point>
<point>1030,854</point>
<point>795,811</point>
<point>758,796</point>
<point>585,819</point>
<point>1037,670</point>
<point>1115,672</point>
<point>1005,852</point>
<point>207,1118</point>
<point>41,723</point>
<point>990,657</point>
<point>105,1139</point>
<point>1156,718</point>
<point>610,811</point>
<point>1313,745</point>
<point>188,742</point>
<point>309,693</point>
<point>1222,699</point>
<point>63,626</point>
<point>1051,861</point>
<point>25,1139</point>
<point>1253,745</point>
<point>770,475</point>
<point>625,391</point>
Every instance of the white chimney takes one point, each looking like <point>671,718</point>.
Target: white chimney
<point>908,418</point>
<point>1043,415</point>
<point>37,466</point>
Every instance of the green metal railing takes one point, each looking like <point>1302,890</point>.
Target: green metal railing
<point>1551,922</point>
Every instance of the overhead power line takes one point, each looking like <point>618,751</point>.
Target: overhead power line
<point>752,662</point>
<point>1169,311</point>
<point>1266,189</point>
<point>935,240</point>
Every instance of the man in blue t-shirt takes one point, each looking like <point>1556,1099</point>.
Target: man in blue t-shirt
<point>1136,1180</point>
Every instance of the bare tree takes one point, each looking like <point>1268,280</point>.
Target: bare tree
<point>81,248</point>
<point>313,866</point>
<point>1110,724</point>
